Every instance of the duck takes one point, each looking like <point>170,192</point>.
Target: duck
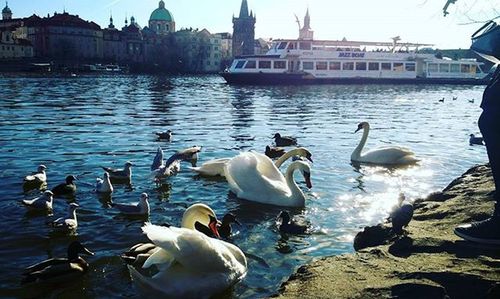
<point>216,167</point>
<point>274,152</point>
<point>190,154</point>
<point>284,140</point>
<point>454,98</point>
<point>400,215</point>
<point>196,216</point>
<point>162,169</point>
<point>124,174</point>
<point>136,209</point>
<point>166,135</point>
<point>38,177</point>
<point>471,101</point>
<point>43,202</point>
<point>68,188</point>
<point>190,264</point>
<point>291,226</point>
<point>381,156</point>
<point>254,177</point>
<point>69,223</point>
<point>225,229</point>
<point>475,140</point>
<point>442,100</point>
<point>104,185</point>
<point>57,270</point>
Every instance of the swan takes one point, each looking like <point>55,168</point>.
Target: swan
<point>43,202</point>
<point>216,167</point>
<point>191,265</point>
<point>385,155</point>
<point>104,185</point>
<point>140,208</point>
<point>120,174</point>
<point>56,270</point>
<point>253,176</point>
<point>68,188</point>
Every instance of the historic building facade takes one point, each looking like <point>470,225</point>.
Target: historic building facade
<point>161,20</point>
<point>244,31</point>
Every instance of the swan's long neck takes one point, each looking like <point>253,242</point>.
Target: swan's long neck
<point>287,156</point>
<point>356,154</point>
<point>196,213</point>
<point>297,194</point>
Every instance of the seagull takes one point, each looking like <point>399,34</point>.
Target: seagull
<point>66,188</point>
<point>167,135</point>
<point>292,226</point>
<point>67,224</point>
<point>161,169</point>
<point>475,140</point>
<point>140,208</point>
<point>104,185</point>
<point>401,215</point>
<point>284,140</point>
<point>43,202</point>
<point>120,174</point>
<point>39,177</point>
<point>190,154</point>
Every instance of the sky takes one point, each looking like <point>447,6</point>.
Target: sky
<point>419,21</point>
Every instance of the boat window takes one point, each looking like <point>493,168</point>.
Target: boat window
<point>240,64</point>
<point>444,67</point>
<point>397,67</point>
<point>264,64</point>
<point>386,66</point>
<point>279,64</point>
<point>361,66</point>
<point>291,45</point>
<point>410,67</point>
<point>251,64</point>
<point>305,45</point>
<point>465,68</point>
<point>455,68</point>
<point>282,45</point>
<point>307,65</point>
<point>474,69</point>
<point>334,65</point>
<point>348,66</point>
<point>433,67</point>
<point>321,65</point>
<point>373,66</point>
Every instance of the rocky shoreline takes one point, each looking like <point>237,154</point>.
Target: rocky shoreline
<point>428,261</point>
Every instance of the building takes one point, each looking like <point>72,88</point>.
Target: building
<point>161,20</point>
<point>114,49</point>
<point>6,12</point>
<point>14,48</point>
<point>244,31</point>
<point>306,32</point>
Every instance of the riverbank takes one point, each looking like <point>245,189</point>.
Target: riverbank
<point>430,261</point>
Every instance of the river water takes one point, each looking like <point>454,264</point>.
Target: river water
<point>76,125</point>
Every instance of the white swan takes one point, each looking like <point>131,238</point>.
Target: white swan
<point>216,167</point>
<point>253,176</point>
<point>384,155</point>
<point>191,265</point>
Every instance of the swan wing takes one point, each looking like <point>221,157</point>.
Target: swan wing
<point>267,167</point>
<point>389,155</point>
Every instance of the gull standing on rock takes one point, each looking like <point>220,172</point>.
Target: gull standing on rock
<point>401,215</point>
<point>104,185</point>
<point>120,174</point>
<point>43,202</point>
<point>140,208</point>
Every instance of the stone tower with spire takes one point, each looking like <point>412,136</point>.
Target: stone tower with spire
<point>244,31</point>
<point>306,31</point>
<point>6,12</point>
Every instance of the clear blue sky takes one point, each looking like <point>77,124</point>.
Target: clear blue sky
<point>371,20</point>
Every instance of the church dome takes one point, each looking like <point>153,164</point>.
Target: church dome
<point>161,14</point>
<point>6,9</point>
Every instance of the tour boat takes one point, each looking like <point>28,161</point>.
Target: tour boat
<point>302,61</point>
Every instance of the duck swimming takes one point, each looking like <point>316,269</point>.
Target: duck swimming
<point>67,188</point>
<point>284,140</point>
<point>57,270</point>
<point>43,202</point>
<point>165,135</point>
<point>274,152</point>
<point>225,230</point>
<point>291,226</point>
<point>475,140</point>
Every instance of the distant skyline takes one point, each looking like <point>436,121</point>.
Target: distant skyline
<point>418,21</point>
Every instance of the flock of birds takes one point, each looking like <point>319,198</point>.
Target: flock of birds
<point>454,99</point>
<point>197,259</point>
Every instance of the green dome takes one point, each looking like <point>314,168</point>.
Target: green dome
<point>161,14</point>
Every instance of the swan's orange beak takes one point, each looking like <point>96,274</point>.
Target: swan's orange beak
<point>213,227</point>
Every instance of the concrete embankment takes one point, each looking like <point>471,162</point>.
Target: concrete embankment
<point>429,261</point>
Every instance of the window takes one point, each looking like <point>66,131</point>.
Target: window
<point>361,66</point>
<point>444,67</point>
<point>305,45</point>
<point>433,67</point>
<point>264,64</point>
<point>348,66</point>
<point>282,45</point>
<point>307,65</point>
<point>334,65</point>
<point>465,68</point>
<point>279,64</point>
<point>251,64</point>
<point>240,64</point>
<point>397,66</point>
<point>321,65</point>
<point>386,66</point>
<point>410,67</point>
<point>373,66</point>
<point>455,68</point>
